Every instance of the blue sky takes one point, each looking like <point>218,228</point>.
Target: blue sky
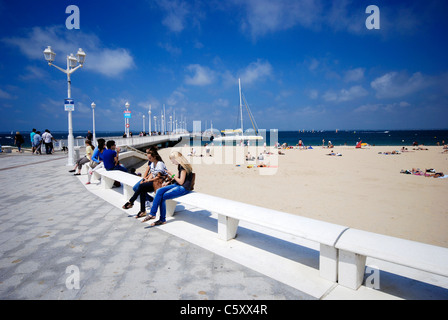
<point>308,64</point>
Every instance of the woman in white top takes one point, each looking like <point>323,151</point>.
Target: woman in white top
<point>156,167</point>
<point>85,159</point>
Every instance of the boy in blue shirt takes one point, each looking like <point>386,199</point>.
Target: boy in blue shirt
<point>110,157</point>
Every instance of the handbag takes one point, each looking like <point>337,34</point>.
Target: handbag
<point>161,180</point>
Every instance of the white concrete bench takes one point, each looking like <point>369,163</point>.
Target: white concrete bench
<point>231,212</point>
<point>7,149</point>
<point>343,250</point>
<point>128,181</point>
<point>342,253</point>
<point>355,245</point>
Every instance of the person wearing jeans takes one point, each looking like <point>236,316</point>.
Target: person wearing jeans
<point>183,184</point>
<point>165,193</point>
<point>146,185</point>
<point>110,157</point>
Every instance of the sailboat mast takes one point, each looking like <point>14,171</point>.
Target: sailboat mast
<point>241,107</point>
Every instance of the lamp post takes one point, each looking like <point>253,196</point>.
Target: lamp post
<point>155,124</point>
<point>93,116</point>
<point>149,120</point>
<point>72,66</point>
<point>126,120</point>
<point>144,124</point>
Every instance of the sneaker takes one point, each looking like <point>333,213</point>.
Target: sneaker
<point>72,170</point>
<point>87,182</point>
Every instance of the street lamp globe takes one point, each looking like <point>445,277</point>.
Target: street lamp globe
<point>49,55</point>
<point>72,61</point>
<point>81,56</point>
<point>93,105</point>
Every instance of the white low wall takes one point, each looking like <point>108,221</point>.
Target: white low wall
<point>343,251</point>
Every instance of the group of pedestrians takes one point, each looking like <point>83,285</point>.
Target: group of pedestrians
<point>157,178</point>
<point>38,140</point>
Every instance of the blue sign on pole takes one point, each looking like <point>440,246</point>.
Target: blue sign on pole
<point>69,105</point>
<point>127,114</point>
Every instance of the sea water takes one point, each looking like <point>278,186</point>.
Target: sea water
<point>291,138</point>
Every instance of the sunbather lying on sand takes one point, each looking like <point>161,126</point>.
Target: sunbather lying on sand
<point>427,173</point>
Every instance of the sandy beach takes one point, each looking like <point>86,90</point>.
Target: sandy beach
<point>362,188</point>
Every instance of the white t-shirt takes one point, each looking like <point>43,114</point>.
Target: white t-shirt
<point>160,167</point>
<point>46,136</point>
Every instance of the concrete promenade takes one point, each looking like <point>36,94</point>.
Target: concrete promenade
<point>52,226</point>
<point>49,222</point>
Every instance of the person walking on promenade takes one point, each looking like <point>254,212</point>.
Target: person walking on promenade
<point>85,159</point>
<point>48,141</point>
<point>97,158</point>
<point>51,143</point>
<point>89,135</point>
<point>33,147</point>
<point>37,139</point>
<point>156,169</point>
<point>18,141</point>
<point>110,157</point>
<point>183,184</point>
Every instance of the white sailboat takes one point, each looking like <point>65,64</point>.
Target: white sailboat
<point>238,134</point>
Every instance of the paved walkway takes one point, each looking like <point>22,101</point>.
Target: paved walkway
<point>51,227</point>
<point>62,240</point>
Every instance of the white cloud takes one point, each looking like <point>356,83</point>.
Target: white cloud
<point>6,95</point>
<point>109,62</point>
<point>201,75</point>
<point>313,93</point>
<point>384,107</point>
<point>313,64</point>
<point>262,17</point>
<point>106,61</point>
<point>354,75</point>
<point>50,106</point>
<point>266,16</point>
<point>170,48</point>
<point>176,98</point>
<point>176,14</point>
<point>179,14</point>
<point>221,103</point>
<point>81,107</point>
<point>33,72</point>
<point>395,85</point>
<point>118,103</point>
<point>342,15</point>
<point>256,71</point>
<point>153,102</point>
<point>344,95</point>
